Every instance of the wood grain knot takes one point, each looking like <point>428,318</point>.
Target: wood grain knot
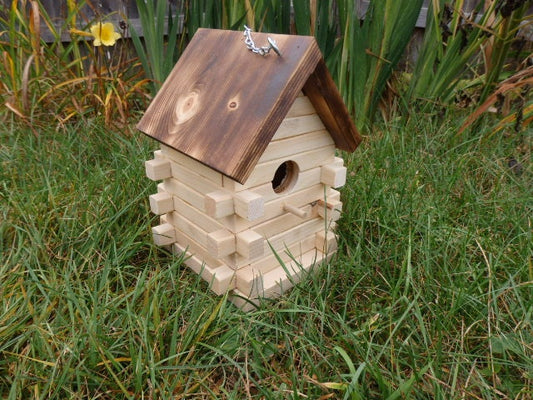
<point>186,107</point>
<point>234,102</point>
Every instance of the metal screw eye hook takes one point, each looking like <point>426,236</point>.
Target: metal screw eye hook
<point>263,51</point>
<point>273,46</point>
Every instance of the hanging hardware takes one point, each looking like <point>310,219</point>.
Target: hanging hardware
<point>263,51</point>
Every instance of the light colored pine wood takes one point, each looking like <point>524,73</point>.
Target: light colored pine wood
<point>203,221</point>
<point>330,209</point>
<point>254,284</point>
<point>182,224</point>
<point>219,204</point>
<point>333,176</point>
<point>285,222</point>
<point>300,199</point>
<point>219,218</point>
<point>235,223</point>
<point>299,212</point>
<point>278,280</point>
<point>296,234</point>
<point>249,205</point>
<point>236,260</point>
<point>161,203</point>
<point>192,179</point>
<point>288,254</point>
<point>192,165</point>
<point>274,208</point>
<point>221,243</point>
<point>278,243</point>
<point>286,148</point>
<point>250,244</point>
<point>304,180</point>
<point>158,154</point>
<point>332,194</point>
<point>263,173</point>
<point>298,125</point>
<point>338,162</point>
<point>184,193</point>
<point>220,279</point>
<point>195,248</point>
<point>326,241</point>
<point>164,234</point>
<point>301,106</point>
<point>158,169</point>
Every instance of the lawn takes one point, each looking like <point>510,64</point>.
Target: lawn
<point>430,295</point>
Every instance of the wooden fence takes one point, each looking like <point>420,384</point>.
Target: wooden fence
<point>91,10</point>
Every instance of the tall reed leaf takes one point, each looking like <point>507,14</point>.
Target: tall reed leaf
<point>509,17</point>
<point>317,18</point>
<point>205,14</point>
<point>451,50</point>
<point>371,50</point>
<point>159,52</point>
<point>272,16</point>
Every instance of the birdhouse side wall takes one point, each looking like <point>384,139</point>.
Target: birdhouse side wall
<point>236,235</point>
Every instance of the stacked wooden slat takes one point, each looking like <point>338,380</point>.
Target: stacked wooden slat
<point>248,238</point>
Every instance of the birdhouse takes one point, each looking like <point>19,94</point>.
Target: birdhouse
<point>247,161</point>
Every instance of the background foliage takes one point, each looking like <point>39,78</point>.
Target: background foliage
<point>463,57</point>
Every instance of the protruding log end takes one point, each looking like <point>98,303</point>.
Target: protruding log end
<point>158,169</point>
<point>249,205</point>
<point>219,204</point>
<point>164,234</point>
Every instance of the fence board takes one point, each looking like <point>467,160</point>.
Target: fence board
<point>89,12</point>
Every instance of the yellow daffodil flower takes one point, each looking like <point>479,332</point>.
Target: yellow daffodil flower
<point>104,34</point>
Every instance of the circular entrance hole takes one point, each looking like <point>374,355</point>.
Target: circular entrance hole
<point>285,177</point>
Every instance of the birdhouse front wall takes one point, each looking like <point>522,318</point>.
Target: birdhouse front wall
<point>236,234</point>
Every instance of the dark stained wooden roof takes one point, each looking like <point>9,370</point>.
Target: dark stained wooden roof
<point>222,104</point>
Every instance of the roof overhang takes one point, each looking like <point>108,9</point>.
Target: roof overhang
<point>222,104</point>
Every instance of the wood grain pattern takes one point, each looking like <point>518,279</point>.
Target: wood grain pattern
<point>219,204</point>
<point>249,205</point>
<point>157,169</point>
<point>333,176</point>
<point>161,203</point>
<point>301,106</point>
<point>221,243</point>
<point>264,172</point>
<point>321,90</point>
<point>250,244</point>
<point>298,125</point>
<point>275,282</point>
<point>290,253</point>
<point>183,192</point>
<point>191,164</point>
<point>326,241</point>
<point>201,219</point>
<point>286,148</point>
<point>222,104</point>
<point>164,234</point>
<point>219,277</point>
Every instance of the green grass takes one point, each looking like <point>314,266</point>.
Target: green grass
<point>430,295</point>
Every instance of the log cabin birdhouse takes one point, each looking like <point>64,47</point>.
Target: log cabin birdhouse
<point>247,162</point>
